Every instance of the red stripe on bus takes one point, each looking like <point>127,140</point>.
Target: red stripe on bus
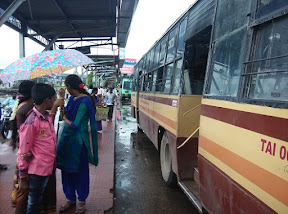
<point>162,118</point>
<point>163,100</point>
<point>275,127</point>
<point>270,183</point>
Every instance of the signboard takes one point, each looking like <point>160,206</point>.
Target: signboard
<point>84,50</point>
<point>128,66</point>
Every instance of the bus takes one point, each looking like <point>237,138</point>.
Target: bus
<point>126,87</point>
<point>212,96</point>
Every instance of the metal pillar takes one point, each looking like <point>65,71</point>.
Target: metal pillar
<point>21,45</point>
<point>51,42</point>
<point>10,10</point>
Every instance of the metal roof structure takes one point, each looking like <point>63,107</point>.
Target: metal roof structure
<point>50,21</point>
<point>68,18</point>
<point>62,19</point>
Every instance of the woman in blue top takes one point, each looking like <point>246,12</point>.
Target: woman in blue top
<point>74,150</point>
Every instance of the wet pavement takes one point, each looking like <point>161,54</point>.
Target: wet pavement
<point>139,187</point>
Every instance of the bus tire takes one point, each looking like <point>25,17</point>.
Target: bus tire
<point>166,162</point>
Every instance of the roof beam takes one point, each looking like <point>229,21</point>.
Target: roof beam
<point>64,14</point>
<point>10,10</point>
<point>72,31</point>
<point>56,21</point>
<point>48,20</point>
<point>83,40</point>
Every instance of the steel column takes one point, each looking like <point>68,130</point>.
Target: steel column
<point>21,45</point>
<point>10,10</point>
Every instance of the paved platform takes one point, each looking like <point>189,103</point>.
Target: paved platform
<point>100,198</point>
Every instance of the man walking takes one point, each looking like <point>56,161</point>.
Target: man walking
<point>110,99</point>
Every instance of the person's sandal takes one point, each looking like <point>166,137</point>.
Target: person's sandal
<point>67,206</point>
<point>80,208</point>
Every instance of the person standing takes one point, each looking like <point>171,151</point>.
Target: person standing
<point>22,110</point>
<point>74,149</point>
<point>90,89</point>
<point>110,99</point>
<point>99,104</point>
<point>37,135</point>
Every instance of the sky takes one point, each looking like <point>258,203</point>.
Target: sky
<point>151,19</point>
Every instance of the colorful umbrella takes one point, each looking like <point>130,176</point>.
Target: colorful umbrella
<point>42,64</point>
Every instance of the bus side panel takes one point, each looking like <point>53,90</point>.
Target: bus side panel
<point>158,112</point>
<point>187,158</point>
<point>151,127</point>
<point>134,106</point>
<point>189,115</point>
<point>221,194</point>
<point>246,142</point>
<point>188,122</point>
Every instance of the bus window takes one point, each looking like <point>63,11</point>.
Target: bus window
<point>141,85</point>
<point>145,77</point>
<point>180,46</point>
<point>159,79</point>
<point>163,51</point>
<point>196,53</point>
<point>167,78</point>
<point>156,56</point>
<point>144,69</point>
<point>151,59</point>
<point>267,71</point>
<point>177,76</point>
<point>127,85</point>
<point>265,7</point>
<point>154,80</point>
<point>171,45</point>
<point>140,66</point>
<point>147,62</point>
<point>229,43</point>
<point>148,82</point>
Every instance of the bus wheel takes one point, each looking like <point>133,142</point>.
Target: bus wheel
<point>166,162</point>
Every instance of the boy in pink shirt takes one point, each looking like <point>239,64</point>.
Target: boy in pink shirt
<point>37,135</point>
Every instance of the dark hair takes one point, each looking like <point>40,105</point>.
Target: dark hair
<point>90,86</point>
<point>41,91</point>
<point>95,90</point>
<point>75,82</point>
<point>24,90</point>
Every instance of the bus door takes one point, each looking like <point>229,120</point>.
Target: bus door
<point>194,71</point>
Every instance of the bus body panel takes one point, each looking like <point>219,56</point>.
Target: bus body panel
<point>134,103</point>
<point>159,107</point>
<point>221,194</point>
<point>164,112</point>
<point>189,115</point>
<point>248,143</point>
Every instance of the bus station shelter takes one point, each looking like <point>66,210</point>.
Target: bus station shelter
<point>71,24</point>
